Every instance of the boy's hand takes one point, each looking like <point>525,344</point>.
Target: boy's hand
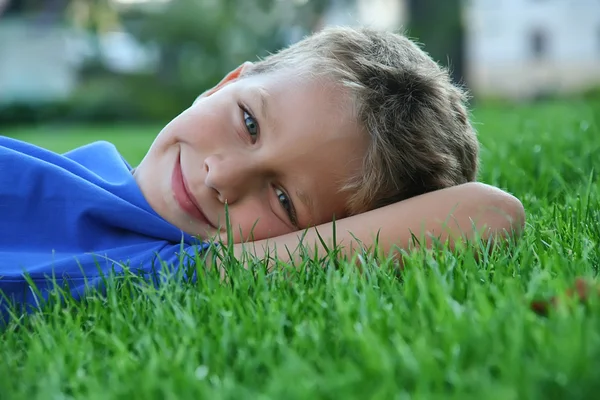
<point>581,290</point>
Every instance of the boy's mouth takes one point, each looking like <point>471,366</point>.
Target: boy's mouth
<point>184,198</point>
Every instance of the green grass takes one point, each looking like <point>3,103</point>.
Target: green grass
<point>449,327</point>
<point>132,141</point>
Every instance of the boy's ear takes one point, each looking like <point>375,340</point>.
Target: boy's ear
<point>230,77</point>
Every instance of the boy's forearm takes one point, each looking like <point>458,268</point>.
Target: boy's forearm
<point>455,213</point>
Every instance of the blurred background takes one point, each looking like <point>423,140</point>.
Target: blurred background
<point>141,62</point>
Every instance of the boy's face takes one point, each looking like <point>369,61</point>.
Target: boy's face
<point>275,147</point>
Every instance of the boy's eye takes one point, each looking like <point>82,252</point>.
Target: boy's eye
<point>251,125</point>
<point>286,203</point>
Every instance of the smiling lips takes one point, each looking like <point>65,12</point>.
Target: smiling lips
<point>183,197</point>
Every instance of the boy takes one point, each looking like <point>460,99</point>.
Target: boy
<point>358,126</point>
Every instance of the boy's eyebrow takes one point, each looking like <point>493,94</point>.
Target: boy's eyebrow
<point>263,96</point>
<point>307,201</point>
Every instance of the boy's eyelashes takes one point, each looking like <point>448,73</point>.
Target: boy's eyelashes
<point>286,203</point>
<point>252,127</point>
<point>250,123</point>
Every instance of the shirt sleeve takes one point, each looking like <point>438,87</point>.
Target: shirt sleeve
<point>72,220</point>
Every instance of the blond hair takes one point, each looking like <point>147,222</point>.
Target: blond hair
<point>420,135</point>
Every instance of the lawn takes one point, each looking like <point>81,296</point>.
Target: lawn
<point>448,327</point>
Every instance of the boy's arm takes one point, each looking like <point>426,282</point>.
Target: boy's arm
<point>454,213</point>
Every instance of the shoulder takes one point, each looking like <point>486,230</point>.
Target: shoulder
<point>15,146</point>
<point>98,153</point>
<point>100,150</point>
<point>98,164</point>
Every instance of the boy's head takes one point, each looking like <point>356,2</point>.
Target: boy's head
<point>420,138</point>
<point>345,120</point>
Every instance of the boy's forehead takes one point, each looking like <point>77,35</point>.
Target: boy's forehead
<point>301,92</point>
<point>313,112</point>
<point>286,82</point>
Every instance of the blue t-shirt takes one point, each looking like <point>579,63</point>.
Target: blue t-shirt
<point>77,218</point>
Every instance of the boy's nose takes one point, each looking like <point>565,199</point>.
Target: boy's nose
<point>230,177</point>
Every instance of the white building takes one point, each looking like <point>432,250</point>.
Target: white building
<point>40,62</point>
<point>378,14</point>
<point>32,65</point>
<point>524,48</point>
<point>513,48</point>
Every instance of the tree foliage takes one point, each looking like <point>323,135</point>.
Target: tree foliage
<point>194,43</point>
<point>198,41</point>
<point>437,24</point>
